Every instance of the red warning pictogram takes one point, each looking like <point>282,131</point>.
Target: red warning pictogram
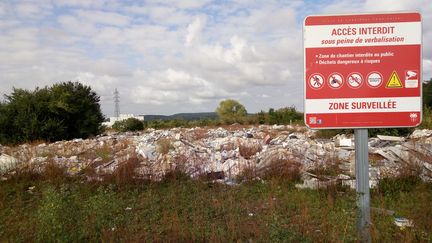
<point>335,80</point>
<point>316,81</point>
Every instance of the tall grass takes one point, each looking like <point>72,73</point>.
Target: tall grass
<point>49,208</point>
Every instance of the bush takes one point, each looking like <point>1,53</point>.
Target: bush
<point>427,118</point>
<point>64,111</point>
<point>130,124</point>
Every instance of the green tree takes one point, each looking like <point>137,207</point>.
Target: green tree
<point>284,115</point>
<point>78,107</point>
<point>130,124</point>
<point>231,111</point>
<point>64,111</point>
<point>272,117</point>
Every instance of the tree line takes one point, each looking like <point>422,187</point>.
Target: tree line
<point>229,111</point>
<point>70,110</point>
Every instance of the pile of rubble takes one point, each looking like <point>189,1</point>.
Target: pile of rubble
<point>225,153</point>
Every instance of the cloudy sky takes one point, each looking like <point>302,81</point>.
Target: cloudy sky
<point>170,56</point>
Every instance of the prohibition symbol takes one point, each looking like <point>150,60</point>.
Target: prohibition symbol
<point>335,80</point>
<point>316,81</point>
<point>355,80</point>
<point>374,79</point>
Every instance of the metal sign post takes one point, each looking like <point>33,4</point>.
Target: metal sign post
<point>362,184</point>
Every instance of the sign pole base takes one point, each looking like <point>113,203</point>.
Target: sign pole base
<point>362,184</point>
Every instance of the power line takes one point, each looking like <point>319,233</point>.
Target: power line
<point>117,103</point>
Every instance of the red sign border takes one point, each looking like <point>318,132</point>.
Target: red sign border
<point>368,17</point>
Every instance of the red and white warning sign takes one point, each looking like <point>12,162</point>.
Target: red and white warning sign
<point>363,70</point>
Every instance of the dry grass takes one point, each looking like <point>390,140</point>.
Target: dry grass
<point>247,150</point>
<point>163,145</point>
<point>282,169</point>
<point>332,168</point>
<point>54,172</point>
<point>200,133</point>
<point>125,172</point>
<point>105,153</point>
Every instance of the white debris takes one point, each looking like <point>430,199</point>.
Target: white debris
<point>7,163</point>
<point>231,151</point>
<point>344,142</point>
<point>421,134</point>
<point>391,138</point>
<point>403,222</point>
<point>341,140</point>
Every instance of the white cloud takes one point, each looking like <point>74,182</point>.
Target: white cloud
<point>83,3</point>
<point>172,56</point>
<point>161,14</point>
<point>427,69</point>
<point>183,4</point>
<point>101,83</point>
<point>194,30</point>
<point>77,26</point>
<point>170,85</point>
<point>28,10</point>
<point>391,5</point>
<point>3,9</point>
<point>103,17</point>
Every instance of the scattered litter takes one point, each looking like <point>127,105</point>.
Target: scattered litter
<point>267,139</point>
<point>7,163</point>
<point>343,142</point>
<point>421,134</point>
<point>30,189</point>
<point>402,223</point>
<point>391,138</point>
<point>230,182</point>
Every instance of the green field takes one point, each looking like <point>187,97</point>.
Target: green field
<point>58,208</point>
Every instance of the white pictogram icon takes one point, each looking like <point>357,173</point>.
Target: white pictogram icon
<point>355,80</point>
<point>413,117</point>
<point>374,79</point>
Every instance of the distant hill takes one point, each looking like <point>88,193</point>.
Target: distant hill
<point>184,116</point>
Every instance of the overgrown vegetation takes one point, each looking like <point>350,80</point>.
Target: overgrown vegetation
<point>372,132</point>
<point>50,207</point>
<point>130,124</point>
<point>63,111</point>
